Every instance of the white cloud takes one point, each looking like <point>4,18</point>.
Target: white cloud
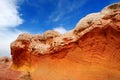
<point>60,29</point>
<point>6,37</point>
<point>9,16</point>
<point>9,19</point>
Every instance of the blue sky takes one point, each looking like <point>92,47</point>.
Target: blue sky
<point>42,15</point>
<point>37,16</point>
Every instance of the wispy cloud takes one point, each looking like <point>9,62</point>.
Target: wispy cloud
<point>65,7</point>
<point>37,3</point>
<point>9,19</point>
<point>60,29</point>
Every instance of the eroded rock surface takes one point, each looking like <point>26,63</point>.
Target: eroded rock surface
<point>6,73</point>
<point>91,51</point>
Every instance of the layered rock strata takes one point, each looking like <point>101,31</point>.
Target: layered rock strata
<point>91,51</point>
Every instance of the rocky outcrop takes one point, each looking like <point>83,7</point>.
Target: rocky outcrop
<point>91,51</point>
<point>6,73</point>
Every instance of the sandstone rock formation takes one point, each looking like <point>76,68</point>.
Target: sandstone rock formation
<point>6,73</point>
<point>91,51</point>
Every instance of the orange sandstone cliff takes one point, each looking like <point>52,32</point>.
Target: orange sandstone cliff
<point>91,51</point>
